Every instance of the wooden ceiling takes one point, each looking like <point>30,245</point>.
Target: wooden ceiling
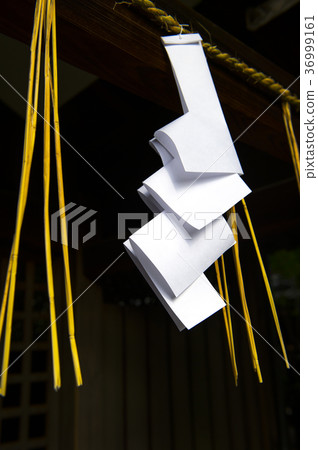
<point>122,48</point>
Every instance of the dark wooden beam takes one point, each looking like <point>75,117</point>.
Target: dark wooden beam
<point>119,44</point>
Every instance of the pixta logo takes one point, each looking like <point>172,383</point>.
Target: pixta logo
<point>139,220</point>
<point>72,214</point>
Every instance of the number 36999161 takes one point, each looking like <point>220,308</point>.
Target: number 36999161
<point>309,45</point>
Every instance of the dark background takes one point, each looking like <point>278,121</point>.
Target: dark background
<point>110,128</point>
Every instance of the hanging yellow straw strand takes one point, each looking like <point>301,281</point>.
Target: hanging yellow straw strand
<point>267,285</point>
<point>218,277</point>
<point>228,327</point>
<point>256,77</point>
<point>46,179</point>
<point>5,294</point>
<point>9,291</point>
<point>31,133</point>
<point>243,297</point>
<point>69,300</point>
<point>228,310</point>
<point>291,140</point>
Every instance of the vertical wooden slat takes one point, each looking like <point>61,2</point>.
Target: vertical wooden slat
<point>124,380</point>
<point>136,381</point>
<point>90,331</point>
<point>67,391</point>
<point>53,397</point>
<point>199,389</point>
<point>159,392</point>
<point>221,436</point>
<point>112,389</point>
<point>249,386</point>
<point>26,366</point>
<point>261,399</point>
<point>180,390</point>
<point>237,413</point>
<point>266,402</point>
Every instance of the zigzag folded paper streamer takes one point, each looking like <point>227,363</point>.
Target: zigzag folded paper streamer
<point>199,181</point>
<point>181,308</point>
<point>177,256</point>
<point>204,199</point>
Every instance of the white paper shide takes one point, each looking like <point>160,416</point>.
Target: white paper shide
<point>199,181</point>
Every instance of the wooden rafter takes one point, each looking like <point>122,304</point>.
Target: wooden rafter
<point>120,45</point>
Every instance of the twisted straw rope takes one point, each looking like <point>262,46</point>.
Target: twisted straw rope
<point>213,52</point>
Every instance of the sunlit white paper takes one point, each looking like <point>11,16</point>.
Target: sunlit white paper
<point>161,150</point>
<point>199,301</point>
<point>147,198</point>
<point>197,200</point>
<point>199,145</point>
<point>202,130</point>
<point>199,182</point>
<point>178,257</point>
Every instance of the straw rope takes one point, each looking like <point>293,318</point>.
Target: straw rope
<point>171,25</point>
